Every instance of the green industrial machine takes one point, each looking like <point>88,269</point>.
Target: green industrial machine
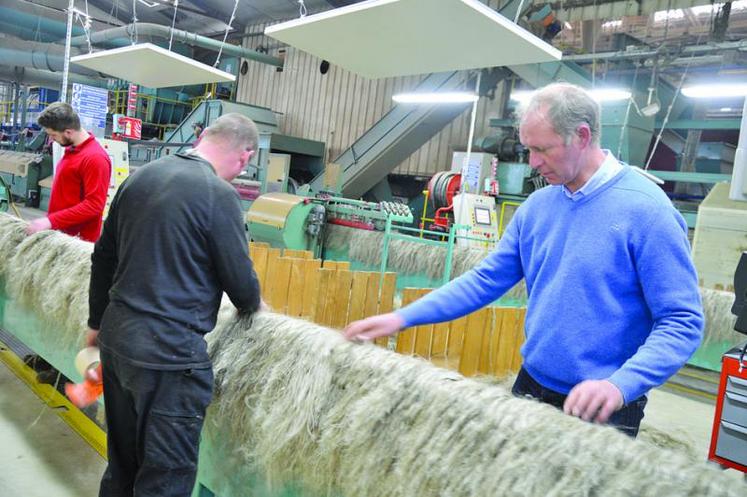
<point>297,222</point>
<point>22,172</point>
<point>286,221</point>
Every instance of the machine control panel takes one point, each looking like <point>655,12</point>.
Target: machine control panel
<point>479,213</point>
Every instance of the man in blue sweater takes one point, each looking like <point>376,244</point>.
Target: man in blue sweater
<point>614,308</point>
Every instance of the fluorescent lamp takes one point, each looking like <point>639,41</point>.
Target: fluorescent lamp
<point>435,98</point>
<point>716,90</point>
<point>726,109</point>
<point>599,94</point>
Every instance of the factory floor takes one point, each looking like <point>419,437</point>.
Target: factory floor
<point>43,457</point>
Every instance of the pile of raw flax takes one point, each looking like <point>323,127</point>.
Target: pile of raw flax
<point>300,404</point>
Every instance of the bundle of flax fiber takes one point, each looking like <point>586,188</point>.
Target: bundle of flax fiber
<point>302,405</point>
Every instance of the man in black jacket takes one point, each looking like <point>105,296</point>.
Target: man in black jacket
<point>173,242</point>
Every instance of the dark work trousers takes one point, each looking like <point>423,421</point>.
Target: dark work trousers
<point>627,420</point>
<point>154,419</point>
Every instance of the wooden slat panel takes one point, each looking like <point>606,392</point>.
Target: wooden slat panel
<point>322,314</point>
<point>292,253</point>
<point>456,338</point>
<point>260,266</point>
<point>341,298</point>
<point>469,360</point>
<point>311,290</point>
<point>423,333</point>
<point>506,345</point>
<point>296,288</point>
<point>386,301</point>
<point>406,339</point>
<point>516,360</point>
<point>487,355</point>
<point>273,254</point>
<point>358,296</point>
<point>343,266</point>
<point>440,339</point>
<point>277,284</point>
<point>329,264</point>
<point>372,295</point>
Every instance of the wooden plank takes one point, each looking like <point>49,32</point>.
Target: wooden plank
<point>278,283</point>
<point>517,360</point>
<point>260,267</point>
<point>372,295</point>
<point>341,298</point>
<point>423,333</point>
<point>487,355</point>
<point>440,339</point>
<point>273,254</point>
<point>358,296</point>
<point>506,345</point>
<point>343,266</point>
<point>456,338</point>
<point>329,264</point>
<point>323,305</point>
<point>311,290</point>
<point>406,339</point>
<point>292,253</point>
<point>296,288</point>
<point>386,301</point>
<point>470,357</point>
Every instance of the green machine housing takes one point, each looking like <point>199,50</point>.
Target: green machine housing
<point>286,221</point>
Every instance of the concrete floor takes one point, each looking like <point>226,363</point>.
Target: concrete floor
<point>43,457</point>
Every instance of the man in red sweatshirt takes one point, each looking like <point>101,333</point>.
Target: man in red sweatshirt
<point>81,179</point>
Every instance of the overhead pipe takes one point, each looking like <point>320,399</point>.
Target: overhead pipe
<point>164,32</point>
<point>25,33</point>
<point>37,23</point>
<point>642,54</point>
<point>37,77</point>
<point>38,59</point>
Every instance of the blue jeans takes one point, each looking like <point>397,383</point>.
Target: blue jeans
<point>627,420</point>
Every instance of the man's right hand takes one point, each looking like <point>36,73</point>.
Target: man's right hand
<point>92,338</point>
<point>374,327</point>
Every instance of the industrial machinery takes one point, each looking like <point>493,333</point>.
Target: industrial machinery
<point>729,435</point>
<point>297,222</point>
<point>22,172</point>
<point>286,221</point>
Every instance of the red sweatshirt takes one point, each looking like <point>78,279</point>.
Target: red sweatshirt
<point>79,190</point>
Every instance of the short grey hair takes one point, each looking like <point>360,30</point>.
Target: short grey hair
<point>567,107</point>
<point>234,130</point>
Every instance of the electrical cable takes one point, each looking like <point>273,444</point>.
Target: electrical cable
<point>173,23</point>
<point>669,110</point>
<point>225,35</point>
<point>133,33</point>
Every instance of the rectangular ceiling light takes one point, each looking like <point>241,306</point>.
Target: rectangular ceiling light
<point>152,66</point>
<point>384,38</point>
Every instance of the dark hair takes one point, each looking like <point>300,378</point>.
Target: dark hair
<point>59,116</point>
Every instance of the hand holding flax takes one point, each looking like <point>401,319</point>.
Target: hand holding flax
<point>593,400</point>
<point>374,327</point>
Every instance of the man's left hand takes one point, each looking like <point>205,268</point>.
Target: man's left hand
<point>38,225</point>
<point>593,400</point>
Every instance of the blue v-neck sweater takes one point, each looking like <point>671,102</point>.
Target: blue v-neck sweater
<point>613,293</point>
